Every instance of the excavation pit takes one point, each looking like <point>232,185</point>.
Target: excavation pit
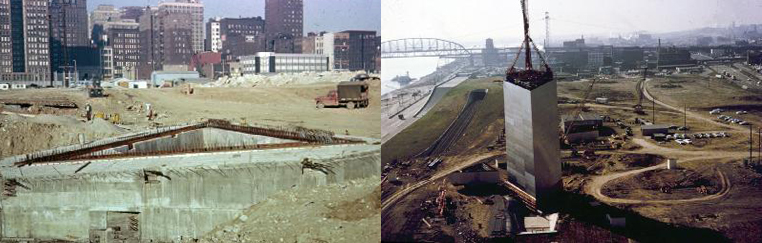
<point>170,184</point>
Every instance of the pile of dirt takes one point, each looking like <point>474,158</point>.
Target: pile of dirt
<point>357,209</point>
<point>639,160</point>
<point>683,178</point>
<point>22,135</point>
<point>310,215</point>
<point>284,79</point>
<point>663,184</point>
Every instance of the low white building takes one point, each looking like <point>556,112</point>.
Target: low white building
<point>138,84</point>
<point>270,62</point>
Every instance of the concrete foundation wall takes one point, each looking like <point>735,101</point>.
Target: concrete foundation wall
<point>181,203</point>
<point>196,139</point>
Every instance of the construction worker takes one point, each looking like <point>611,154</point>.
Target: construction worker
<point>89,112</point>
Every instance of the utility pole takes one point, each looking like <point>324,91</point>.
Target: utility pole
<point>547,32</point>
<point>759,137</point>
<point>751,142</point>
<point>653,109</point>
<point>658,56</point>
<point>685,116</point>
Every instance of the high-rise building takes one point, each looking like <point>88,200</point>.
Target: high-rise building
<point>123,43</point>
<point>356,50</point>
<point>6,56</point>
<point>165,41</point>
<point>194,9</point>
<point>24,40</point>
<point>69,20</point>
<point>213,35</point>
<point>101,15</point>
<point>132,12</point>
<point>284,25</point>
<point>68,29</point>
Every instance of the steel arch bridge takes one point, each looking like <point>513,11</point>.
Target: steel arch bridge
<point>423,47</point>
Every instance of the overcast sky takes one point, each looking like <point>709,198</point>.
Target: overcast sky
<point>319,15</point>
<point>470,22</point>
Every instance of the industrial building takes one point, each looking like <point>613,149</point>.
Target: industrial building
<point>172,184</point>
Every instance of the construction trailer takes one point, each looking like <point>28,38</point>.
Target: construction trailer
<point>650,130</point>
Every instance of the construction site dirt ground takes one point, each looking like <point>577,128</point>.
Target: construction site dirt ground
<point>291,105</point>
<point>335,213</point>
<point>730,211</point>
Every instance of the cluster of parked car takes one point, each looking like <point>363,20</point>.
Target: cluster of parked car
<point>683,139</point>
<point>729,119</point>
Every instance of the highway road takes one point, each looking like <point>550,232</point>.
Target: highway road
<point>391,126</point>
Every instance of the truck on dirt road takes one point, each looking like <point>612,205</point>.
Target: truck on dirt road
<point>350,94</point>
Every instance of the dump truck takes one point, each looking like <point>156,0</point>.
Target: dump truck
<point>350,94</point>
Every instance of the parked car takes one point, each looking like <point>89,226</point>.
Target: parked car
<point>743,123</point>
<point>741,112</point>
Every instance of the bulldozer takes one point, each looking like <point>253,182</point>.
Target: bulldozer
<point>96,91</point>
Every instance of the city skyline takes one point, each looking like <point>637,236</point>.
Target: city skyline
<point>319,15</point>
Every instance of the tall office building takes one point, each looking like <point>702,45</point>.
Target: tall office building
<point>102,14</point>
<point>122,43</point>
<point>213,40</point>
<point>132,12</point>
<point>284,25</point>
<point>24,40</point>
<point>166,41</point>
<point>194,9</point>
<point>69,20</point>
<point>69,30</point>
<point>6,56</point>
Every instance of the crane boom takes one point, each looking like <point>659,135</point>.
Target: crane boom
<point>528,60</point>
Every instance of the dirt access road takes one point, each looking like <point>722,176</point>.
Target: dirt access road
<point>596,184</point>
